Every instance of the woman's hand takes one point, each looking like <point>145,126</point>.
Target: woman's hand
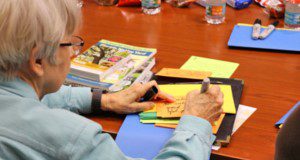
<point>127,101</point>
<point>207,105</point>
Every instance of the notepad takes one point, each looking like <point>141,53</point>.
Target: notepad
<point>182,73</point>
<point>279,39</point>
<point>161,121</point>
<point>180,90</point>
<point>221,69</point>
<point>215,127</point>
<point>171,110</point>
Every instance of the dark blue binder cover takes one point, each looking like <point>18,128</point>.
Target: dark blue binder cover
<point>281,40</point>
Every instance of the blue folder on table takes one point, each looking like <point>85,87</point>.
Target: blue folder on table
<point>131,138</point>
<point>279,39</point>
<point>281,121</point>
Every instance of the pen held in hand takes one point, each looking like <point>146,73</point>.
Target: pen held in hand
<point>149,95</point>
<point>205,85</point>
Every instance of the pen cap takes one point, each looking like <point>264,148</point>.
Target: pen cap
<point>257,21</point>
<point>149,95</point>
<point>293,1</point>
<point>275,23</point>
<point>206,80</point>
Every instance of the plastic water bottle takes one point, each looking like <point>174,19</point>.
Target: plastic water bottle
<point>215,11</point>
<point>151,6</point>
<point>292,14</point>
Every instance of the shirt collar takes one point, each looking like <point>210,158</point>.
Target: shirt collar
<point>19,87</point>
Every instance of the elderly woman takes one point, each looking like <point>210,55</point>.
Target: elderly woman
<point>38,116</point>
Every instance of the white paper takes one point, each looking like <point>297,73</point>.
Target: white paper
<point>215,148</point>
<point>243,113</point>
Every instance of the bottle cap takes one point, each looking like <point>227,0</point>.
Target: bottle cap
<point>293,1</point>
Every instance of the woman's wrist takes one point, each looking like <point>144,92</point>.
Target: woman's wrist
<point>106,100</point>
<point>100,100</point>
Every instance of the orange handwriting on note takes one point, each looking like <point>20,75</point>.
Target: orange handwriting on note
<point>170,110</point>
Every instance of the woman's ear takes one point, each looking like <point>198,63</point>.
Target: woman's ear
<point>35,65</point>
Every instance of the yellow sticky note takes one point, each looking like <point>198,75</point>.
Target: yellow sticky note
<point>222,69</point>
<point>153,109</point>
<point>182,73</point>
<point>215,127</point>
<point>180,90</point>
<point>162,121</point>
<point>217,124</point>
<point>166,125</point>
<point>170,110</point>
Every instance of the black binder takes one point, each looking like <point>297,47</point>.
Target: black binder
<point>225,130</point>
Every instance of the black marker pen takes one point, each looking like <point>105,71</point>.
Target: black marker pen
<point>149,95</point>
<point>256,29</point>
<point>268,30</point>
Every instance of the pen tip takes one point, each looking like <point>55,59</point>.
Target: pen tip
<point>206,80</point>
<point>257,21</point>
<point>275,23</point>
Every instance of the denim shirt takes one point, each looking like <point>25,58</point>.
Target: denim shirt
<point>52,129</point>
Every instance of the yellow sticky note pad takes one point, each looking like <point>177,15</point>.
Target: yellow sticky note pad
<point>217,124</point>
<point>170,110</point>
<point>215,127</point>
<point>222,69</point>
<point>165,125</point>
<point>161,121</point>
<point>180,90</point>
<point>182,73</point>
<point>153,109</point>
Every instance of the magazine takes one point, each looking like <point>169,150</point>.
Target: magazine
<point>105,57</point>
<point>143,74</point>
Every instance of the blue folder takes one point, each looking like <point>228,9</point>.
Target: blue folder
<point>281,40</point>
<point>281,121</point>
<point>139,140</point>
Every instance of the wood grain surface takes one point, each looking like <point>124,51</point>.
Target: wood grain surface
<point>272,79</point>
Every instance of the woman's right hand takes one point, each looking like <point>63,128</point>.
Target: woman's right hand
<point>206,105</point>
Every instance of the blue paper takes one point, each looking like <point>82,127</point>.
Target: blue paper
<point>281,121</point>
<point>139,140</point>
<point>284,40</point>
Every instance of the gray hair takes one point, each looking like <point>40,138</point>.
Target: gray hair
<point>25,24</point>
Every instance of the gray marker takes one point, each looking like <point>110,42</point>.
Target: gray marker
<point>268,30</point>
<point>256,29</point>
<point>205,85</point>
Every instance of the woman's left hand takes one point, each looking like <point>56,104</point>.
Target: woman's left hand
<point>127,101</point>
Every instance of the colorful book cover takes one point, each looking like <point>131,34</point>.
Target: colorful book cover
<point>120,73</point>
<point>142,74</point>
<point>103,58</point>
<point>140,58</point>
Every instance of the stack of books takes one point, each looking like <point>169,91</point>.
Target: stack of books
<point>111,66</point>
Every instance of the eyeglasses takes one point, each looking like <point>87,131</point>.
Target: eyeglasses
<point>76,43</point>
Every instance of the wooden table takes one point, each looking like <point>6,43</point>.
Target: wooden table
<point>271,78</point>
